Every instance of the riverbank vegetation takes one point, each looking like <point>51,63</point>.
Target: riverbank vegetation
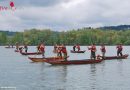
<point>83,36</point>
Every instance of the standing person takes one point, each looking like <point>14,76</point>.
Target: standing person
<point>38,47</point>
<point>64,51</point>
<point>42,49</point>
<point>20,49</point>
<point>119,49</point>
<point>17,46</point>
<point>26,48</point>
<point>74,47</point>
<point>55,48</point>
<point>93,51</point>
<point>59,51</point>
<point>78,47</point>
<point>103,50</point>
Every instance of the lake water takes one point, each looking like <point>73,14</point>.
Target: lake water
<point>18,71</point>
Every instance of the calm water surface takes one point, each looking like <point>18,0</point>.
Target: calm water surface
<point>18,71</point>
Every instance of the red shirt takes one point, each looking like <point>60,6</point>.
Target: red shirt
<point>42,48</point>
<point>119,47</point>
<point>103,49</point>
<point>59,49</point>
<point>78,47</point>
<point>64,50</point>
<point>93,48</point>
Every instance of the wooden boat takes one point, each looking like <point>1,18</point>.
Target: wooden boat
<point>77,51</point>
<point>33,53</point>
<point>85,61</point>
<point>9,47</point>
<point>116,57</point>
<point>45,59</point>
<point>16,51</point>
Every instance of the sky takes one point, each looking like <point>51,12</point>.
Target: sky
<point>63,15</point>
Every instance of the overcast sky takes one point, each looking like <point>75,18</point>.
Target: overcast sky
<point>64,14</point>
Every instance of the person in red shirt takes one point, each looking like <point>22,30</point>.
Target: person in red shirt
<point>64,51</point>
<point>78,47</point>
<point>103,50</point>
<point>74,47</point>
<point>119,50</point>
<point>42,49</point>
<point>93,51</point>
<point>59,51</point>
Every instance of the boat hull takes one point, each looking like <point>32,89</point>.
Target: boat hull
<point>116,57</point>
<point>45,59</point>
<point>76,62</point>
<point>77,51</point>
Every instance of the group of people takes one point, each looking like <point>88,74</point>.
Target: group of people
<point>19,48</point>
<point>77,46</point>
<point>61,51</point>
<point>41,49</point>
<point>103,51</point>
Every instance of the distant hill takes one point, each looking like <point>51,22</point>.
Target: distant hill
<point>8,33</point>
<point>119,27</point>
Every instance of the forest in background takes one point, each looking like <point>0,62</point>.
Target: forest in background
<point>85,36</point>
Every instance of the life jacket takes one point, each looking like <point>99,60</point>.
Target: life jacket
<point>42,48</point>
<point>119,47</point>
<point>103,49</point>
<point>59,49</point>
<point>64,50</point>
<point>93,48</point>
<point>78,47</point>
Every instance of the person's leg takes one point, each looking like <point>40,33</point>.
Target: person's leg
<point>60,54</point>
<point>26,50</point>
<point>121,53</point>
<point>43,54</point>
<point>91,56</point>
<point>65,56</point>
<point>118,53</point>
<point>94,55</point>
<point>103,55</point>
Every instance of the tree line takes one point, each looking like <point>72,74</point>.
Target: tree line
<point>83,36</point>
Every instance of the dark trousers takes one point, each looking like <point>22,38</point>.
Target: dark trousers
<point>26,50</point>
<point>65,56</point>
<point>43,54</point>
<point>73,48</point>
<point>59,54</point>
<point>119,53</point>
<point>103,55</point>
<point>93,55</point>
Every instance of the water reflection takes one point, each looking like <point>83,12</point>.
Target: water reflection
<point>53,77</point>
<point>120,67</point>
<point>17,70</point>
<point>93,76</point>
